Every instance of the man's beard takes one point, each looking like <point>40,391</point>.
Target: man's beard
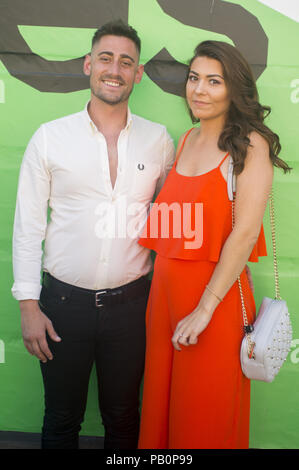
<point>110,99</point>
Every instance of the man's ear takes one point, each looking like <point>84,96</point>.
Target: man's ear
<point>87,64</point>
<point>139,73</point>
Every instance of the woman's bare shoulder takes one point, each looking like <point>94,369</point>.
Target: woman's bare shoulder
<point>258,142</point>
<point>258,152</point>
<point>258,165</point>
<point>181,139</point>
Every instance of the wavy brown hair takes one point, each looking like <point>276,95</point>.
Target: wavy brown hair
<point>245,113</point>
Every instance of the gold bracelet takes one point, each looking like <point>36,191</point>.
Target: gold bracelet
<point>207,287</point>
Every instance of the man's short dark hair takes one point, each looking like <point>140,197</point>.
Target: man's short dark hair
<point>117,28</point>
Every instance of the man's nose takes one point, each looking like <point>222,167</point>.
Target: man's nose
<point>114,68</point>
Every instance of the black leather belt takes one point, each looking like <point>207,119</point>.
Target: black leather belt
<point>103,297</point>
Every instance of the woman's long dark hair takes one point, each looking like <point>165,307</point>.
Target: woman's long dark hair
<point>245,114</point>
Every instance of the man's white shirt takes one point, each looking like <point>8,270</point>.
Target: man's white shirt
<point>65,197</point>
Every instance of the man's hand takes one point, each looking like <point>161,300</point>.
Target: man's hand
<point>34,326</point>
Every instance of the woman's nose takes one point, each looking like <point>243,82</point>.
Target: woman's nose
<point>201,87</point>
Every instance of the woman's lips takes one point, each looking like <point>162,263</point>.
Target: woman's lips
<point>200,103</point>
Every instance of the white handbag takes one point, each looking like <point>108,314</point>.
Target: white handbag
<point>267,342</point>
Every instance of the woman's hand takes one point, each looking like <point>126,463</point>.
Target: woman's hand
<point>190,327</point>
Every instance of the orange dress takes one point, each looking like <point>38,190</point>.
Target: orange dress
<point>196,398</point>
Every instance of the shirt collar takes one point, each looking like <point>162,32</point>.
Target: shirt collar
<point>94,128</point>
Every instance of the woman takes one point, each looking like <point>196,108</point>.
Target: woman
<point>195,394</point>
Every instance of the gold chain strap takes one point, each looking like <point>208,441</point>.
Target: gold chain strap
<point>250,343</point>
<point>272,223</point>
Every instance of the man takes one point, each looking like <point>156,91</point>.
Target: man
<point>91,307</point>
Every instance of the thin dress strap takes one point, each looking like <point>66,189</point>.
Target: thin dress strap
<point>223,160</point>
<point>183,143</point>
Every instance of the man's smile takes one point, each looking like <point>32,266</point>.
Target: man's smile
<point>112,83</point>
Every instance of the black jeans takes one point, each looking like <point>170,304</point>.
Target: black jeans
<point>111,336</point>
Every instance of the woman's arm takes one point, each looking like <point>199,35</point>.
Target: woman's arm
<point>253,188</point>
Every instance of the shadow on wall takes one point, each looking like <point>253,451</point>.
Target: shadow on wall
<point>217,16</point>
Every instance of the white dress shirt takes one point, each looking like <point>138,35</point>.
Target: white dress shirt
<point>65,197</point>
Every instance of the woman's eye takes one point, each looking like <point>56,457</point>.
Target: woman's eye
<point>214,82</point>
<point>192,78</point>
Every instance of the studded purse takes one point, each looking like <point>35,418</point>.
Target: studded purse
<point>267,342</point>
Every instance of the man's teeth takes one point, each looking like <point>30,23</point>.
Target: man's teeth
<point>112,83</point>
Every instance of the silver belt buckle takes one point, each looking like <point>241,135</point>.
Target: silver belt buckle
<point>98,299</point>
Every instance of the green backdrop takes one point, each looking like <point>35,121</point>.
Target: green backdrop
<point>275,407</point>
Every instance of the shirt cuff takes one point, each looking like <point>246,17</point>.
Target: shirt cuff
<point>26,291</point>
